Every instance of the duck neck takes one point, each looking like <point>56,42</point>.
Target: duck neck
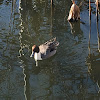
<point>73,1</point>
<point>37,56</point>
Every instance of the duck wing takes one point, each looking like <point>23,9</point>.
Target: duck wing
<point>48,48</point>
<point>52,41</point>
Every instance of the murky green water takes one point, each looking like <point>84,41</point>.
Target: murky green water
<point>72,74</point>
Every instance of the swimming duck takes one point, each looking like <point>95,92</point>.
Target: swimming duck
<point>45,50</point>
<point>74,13</point>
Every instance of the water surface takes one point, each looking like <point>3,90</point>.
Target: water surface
<point>72,74</point>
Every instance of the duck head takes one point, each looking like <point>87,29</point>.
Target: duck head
<point>35,49</point>
<point>73,1</point>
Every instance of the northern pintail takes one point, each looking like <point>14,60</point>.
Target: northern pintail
<point>45,50</point>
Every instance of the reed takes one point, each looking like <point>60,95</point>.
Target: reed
<point>97,10</point>
<point>89,26</point>
<point>90,9</point>
<point>52,3</point>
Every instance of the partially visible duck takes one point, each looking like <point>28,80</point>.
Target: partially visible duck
<point>45,50</point>
<point>74,13</point>
<point>98,2</point>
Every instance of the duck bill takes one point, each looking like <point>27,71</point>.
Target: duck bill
<point>32,55</point>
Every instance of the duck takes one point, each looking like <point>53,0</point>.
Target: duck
<point>74,13</point>
<point>45,50</point>
<point>98,2</point>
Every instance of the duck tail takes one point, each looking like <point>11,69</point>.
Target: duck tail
<point>56,43</point>
<point>52,43</point>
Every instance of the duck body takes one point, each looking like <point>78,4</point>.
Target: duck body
<point>74,13</point>
<point>98,2</point>
<point>45,50</point>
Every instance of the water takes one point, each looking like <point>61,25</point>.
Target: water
<point>72,74</point>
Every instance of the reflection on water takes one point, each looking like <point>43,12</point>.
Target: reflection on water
<point>61,77</point>
<point>93,60</point>
<point>98,36</point>
<point>26,79</point>
<point>76,30</point>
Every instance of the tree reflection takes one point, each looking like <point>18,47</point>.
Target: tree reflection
<point>26,78</point>
<point>93,61</point>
